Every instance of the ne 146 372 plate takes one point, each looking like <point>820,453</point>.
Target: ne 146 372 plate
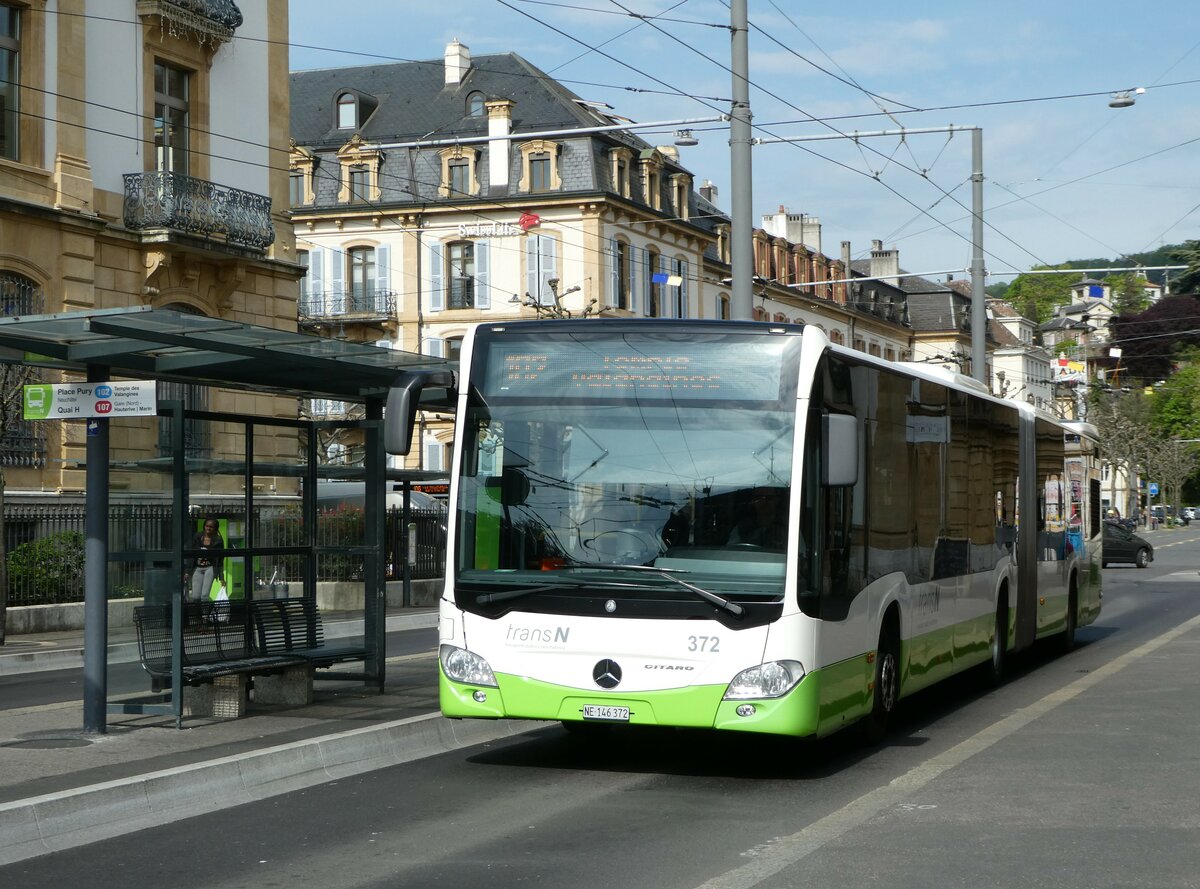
<point>608,714</point>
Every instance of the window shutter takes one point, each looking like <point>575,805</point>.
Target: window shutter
<point>531,268</point>
<point>433,454</point>
<point>684,308</point>
<point>648,280</point>
<point>336,302</point>
<point>549,252</point>
<point>433,262</point>
<point>315,285</point>
<point>633,279</point>
<point>483,290</point>
<point>435,347</point>
<point>383,276</point>
<point>614,260</point>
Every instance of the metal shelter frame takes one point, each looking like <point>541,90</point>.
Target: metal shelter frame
<point>145,343</point>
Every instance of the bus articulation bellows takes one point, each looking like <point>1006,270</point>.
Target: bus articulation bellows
<point>742,527</point>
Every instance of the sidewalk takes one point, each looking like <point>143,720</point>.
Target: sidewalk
<point>61,788</point>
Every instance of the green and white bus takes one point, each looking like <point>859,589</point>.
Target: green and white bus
<point>743,527</point>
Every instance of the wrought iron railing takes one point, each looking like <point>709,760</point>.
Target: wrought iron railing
<point>45,546</point>
<point>206,20</point>
<point>356,304</point>
<point>462,292</point>
<point>198,207</point>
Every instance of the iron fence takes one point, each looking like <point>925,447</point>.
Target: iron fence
<point>44,546</point>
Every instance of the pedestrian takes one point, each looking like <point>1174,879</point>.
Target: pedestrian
<point>206,566</point>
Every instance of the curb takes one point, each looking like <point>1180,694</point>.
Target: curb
<point>58,821</point>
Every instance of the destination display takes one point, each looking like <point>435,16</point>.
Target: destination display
<point>637,369</point>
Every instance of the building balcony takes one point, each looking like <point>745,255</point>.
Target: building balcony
<point>365,305</point>
<point>179,203</point>
<point>205,21</point>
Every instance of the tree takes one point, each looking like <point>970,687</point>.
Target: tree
<point>1189,281</point>
<point>1172,463</point>
<point>1127,437</point>
<point>1039,294</point>
<point>1128,293</point>
<point>1150,340</point>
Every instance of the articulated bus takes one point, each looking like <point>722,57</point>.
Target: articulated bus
<point>743,527</point>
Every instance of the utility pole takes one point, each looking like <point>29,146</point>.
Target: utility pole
<point>741,200</point>
<point>978,307</point>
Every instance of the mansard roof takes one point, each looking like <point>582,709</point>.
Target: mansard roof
<point>415,102</point>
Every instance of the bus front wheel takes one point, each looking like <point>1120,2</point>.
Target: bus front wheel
<point>887,684</point>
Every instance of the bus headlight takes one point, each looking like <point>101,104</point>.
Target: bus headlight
<point>770,680</point>
<point>466,666</point>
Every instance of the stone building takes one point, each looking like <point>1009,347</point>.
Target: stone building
<point>142,166</point>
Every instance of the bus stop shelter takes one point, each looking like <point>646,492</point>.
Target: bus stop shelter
<point>168,346</point>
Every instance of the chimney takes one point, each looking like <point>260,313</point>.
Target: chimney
<point>885,264</point>
<point>499,126</point>
<point>708,191</point>
<point>458,62</point>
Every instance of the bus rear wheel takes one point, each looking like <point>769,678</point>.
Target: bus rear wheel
<point>999,659</point>
<point>1072,620</point>
<point>887,685</point>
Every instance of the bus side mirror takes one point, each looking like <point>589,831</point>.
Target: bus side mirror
<point>400,413</point>
<point>839,433</point>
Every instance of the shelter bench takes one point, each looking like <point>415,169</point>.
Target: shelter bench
<point>280,642</point>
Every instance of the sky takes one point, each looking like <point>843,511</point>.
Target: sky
<point>1065,175</point>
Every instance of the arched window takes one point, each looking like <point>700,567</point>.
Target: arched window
<point>475,105</point>
<point>21,444</point>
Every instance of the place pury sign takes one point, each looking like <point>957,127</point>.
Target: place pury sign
<point>78,401</point>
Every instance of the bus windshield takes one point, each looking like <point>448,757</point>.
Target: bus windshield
<point>586,454</point>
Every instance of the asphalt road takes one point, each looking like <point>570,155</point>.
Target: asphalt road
<point>1081,771</point>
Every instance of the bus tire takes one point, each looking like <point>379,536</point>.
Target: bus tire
<point>886,692</point>
<point>998,662</point>
<point>1072,620</point>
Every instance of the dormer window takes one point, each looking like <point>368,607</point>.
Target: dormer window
<point>459,177</point>
<point>539,167</point>
<point>681,189</point>
<point>622,162</point>
<point>359,172</point>
<point>347,112</point>
<point>652,163</point>
<point>476,105</point>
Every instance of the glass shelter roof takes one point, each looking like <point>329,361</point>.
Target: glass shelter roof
<point>165,344</point>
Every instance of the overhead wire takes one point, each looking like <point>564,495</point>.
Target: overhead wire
<point>829,126</point>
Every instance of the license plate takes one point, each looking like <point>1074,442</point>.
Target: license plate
<point>609,714</point>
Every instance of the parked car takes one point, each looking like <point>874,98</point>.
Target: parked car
<point>1189,512</point>
<point>1122,545</point>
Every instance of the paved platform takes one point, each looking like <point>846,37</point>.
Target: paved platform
<point>60,787</point>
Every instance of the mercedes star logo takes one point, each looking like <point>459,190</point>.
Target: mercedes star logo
<point>607,673</point>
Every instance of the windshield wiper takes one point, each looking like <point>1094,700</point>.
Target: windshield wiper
<point>519,592</point>
<point>669,573</point>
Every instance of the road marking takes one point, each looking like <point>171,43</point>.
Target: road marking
<point>783,852</point>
